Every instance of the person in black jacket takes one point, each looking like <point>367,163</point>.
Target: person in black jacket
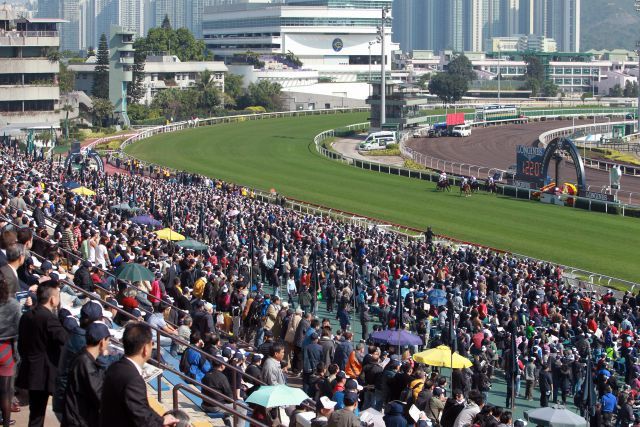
<point>40,341</point>
<point>312,355</point>
<point>38,214</point>
<point>217,381</point>
<point>452,408</point>
<point>546,385</point>
<point>85,380</point>
<point>82,278</point>
<point>124,393</point>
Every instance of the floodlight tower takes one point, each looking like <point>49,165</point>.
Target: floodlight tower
<point>386,18</point>
<point>637,5</point>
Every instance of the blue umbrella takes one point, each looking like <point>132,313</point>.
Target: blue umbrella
<point>398,337</point>
<point>437,297</point>
<point>437,301</point>
<point>71,185</point>
<point>437,293</point>
<point>146,220</point>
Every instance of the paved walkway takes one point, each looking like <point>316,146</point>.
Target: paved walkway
<point>349,148</point>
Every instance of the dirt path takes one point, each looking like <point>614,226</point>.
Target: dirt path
<point>495,147</point>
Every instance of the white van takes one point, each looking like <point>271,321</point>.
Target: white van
<point>461,130</point>
<point>378,141</point>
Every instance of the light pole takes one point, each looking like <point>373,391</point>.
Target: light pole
<point>638,80</point>
<point>499,76</point>
<point>383,85</point>
<point>371,43</point>
<point>637,6</point>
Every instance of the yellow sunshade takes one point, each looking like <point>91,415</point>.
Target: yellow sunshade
<point>441,356</point>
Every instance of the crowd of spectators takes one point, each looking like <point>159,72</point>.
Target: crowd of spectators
<point>249,305</point>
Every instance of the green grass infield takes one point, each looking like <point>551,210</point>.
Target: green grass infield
<point>279,153</point>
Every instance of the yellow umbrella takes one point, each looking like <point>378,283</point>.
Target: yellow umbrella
<point>169,234</point>
<point>83,191</point>
<point>441,356</point>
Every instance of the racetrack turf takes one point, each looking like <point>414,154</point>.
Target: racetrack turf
<point>279,153</point>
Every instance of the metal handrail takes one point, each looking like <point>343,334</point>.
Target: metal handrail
<point>176,338</point>
<point>208,399</point>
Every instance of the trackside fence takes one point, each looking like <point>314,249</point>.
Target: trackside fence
<point>580,277</point>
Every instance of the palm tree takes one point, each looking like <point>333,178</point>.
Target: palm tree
<point>210,96</point>
<point>205,81</point>
<point>68,108</point>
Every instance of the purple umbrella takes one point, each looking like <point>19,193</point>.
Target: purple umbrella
<point>146,220</point>
<point>398,337</point>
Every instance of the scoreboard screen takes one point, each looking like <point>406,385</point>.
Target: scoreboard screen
<point>529,164</point>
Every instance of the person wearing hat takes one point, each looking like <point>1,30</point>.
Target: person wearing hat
<point>82,277</point>
<point>346,416</point>
<point>85,379</point>
<point>265,347</point>
<point>218,381</point>
<point>324,409</point>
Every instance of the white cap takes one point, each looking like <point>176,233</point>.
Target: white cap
<point>327,403</point>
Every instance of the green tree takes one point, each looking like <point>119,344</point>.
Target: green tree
<point>423,81</point>
<point>102,110</point>
<point>135,90</point>
<point>616,91</point>
<point>210,96</point>
<point>180,43</point>
<point>67,108</point>
<point>66,79</point>
<point>233,90</point>
<point>461,66</point>
<point>549,89</point>
<point>139,112</point>
<point>166,24</point>
<point>265,94</point>
<point>535,69</point>
<point>630,89</point>
<point>534,86</point>
<point>101,76</point>
<point>169,101</point>
<point>448,87</point>
<point>91,52</point>
<point>585,96</point>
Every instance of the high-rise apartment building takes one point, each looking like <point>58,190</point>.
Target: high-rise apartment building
<point>470,24</point>
<point>87,20</point>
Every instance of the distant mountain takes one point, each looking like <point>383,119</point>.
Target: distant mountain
<point>609,24</point>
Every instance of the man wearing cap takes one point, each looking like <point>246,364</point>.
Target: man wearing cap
<point>346,416</point>
<point>324,409</point>
<point>85,379</point>
<point>217,381</point>
<point>89,313</point>
<point>82,277</point>
<point>312,355</point>
<point>350,386</point>
<point>254,368</point>
<point>265,347</point>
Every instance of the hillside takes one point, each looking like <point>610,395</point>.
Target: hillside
<point>608,24</point>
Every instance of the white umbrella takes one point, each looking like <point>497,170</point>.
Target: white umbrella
<point>372,417</point>
<point>233,212</point>
<point>555,416</point>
